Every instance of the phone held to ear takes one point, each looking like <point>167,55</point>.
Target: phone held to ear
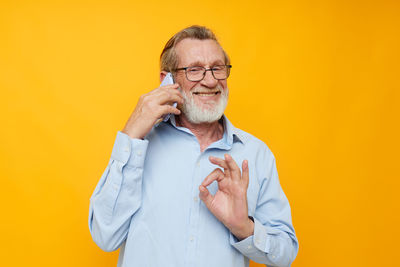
<point>168,79</point>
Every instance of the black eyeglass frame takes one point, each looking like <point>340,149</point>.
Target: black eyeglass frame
<point>228,71</point>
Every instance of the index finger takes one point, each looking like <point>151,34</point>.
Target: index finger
<point>216,174</point>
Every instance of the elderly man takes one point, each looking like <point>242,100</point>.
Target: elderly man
<point>192,190</point>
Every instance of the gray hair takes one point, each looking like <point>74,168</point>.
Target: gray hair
<point>169,58</point>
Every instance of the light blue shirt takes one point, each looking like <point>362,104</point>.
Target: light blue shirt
<point>147,203</point>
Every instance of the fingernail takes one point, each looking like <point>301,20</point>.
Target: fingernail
<point>201,189</point>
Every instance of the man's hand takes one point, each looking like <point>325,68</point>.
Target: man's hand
<point>229,204</point>
<point>150,108</point>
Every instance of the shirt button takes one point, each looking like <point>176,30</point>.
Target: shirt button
<point>257,241</point>
<point>191,238</point>
<point>249,247</point>
<point>198,164</point>
<point>196,199</point>
<point>115,187</point>
<point>139,153</point>
<point>126,149</point>
<point>273,256</point>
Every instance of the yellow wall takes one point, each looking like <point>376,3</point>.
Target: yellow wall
<point>318,81</point>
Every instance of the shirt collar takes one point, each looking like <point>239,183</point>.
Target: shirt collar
<point>231,134</point>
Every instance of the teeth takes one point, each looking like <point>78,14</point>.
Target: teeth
<point>206,94</point>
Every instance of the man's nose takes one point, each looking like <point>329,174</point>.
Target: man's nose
<point>209,80</point>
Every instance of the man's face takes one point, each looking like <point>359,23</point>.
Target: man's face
<point>205,100</point>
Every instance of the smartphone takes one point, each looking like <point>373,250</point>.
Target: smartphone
<point>168,79</point>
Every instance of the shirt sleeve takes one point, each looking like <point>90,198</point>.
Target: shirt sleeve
<point>118,194</point>
<point>273,242</point>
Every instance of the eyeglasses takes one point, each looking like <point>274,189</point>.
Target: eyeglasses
<point>196,74</point>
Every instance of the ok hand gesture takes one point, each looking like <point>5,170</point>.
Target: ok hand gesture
<point>229,204</point>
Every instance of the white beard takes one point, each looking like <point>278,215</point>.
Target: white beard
<point>197,114</point>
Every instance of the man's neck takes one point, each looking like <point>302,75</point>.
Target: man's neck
<point>206,133</point>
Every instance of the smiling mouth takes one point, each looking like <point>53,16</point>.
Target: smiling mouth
<point>206,94</point>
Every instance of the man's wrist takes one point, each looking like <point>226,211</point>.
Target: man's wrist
<point>246,231</point>
<point>131,134</point>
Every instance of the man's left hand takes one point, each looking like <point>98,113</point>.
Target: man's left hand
<point>229,204</point>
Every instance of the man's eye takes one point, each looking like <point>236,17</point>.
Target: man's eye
<point>218,68</point>
<point>194,70</point>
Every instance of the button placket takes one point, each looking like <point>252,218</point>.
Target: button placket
<point>194,215</point>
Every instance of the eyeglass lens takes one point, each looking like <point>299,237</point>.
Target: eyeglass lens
<point>198,73</point>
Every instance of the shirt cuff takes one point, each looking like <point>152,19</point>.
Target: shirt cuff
<point>129,151</point>
<point>252,245</point>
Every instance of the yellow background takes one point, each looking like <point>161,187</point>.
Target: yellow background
<point>318,81</point>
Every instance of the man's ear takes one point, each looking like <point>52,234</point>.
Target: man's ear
<point>162,75</point>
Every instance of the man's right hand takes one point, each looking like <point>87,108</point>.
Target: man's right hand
<point>150,108</point>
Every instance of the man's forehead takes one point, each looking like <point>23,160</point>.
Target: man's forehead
<point>191,51</point>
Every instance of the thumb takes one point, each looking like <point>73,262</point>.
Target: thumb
<point>205,196</point>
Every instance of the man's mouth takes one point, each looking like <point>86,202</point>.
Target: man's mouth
<point>207,93</point>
